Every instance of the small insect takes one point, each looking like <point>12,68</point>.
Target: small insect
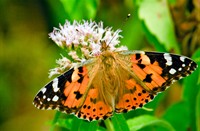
<point>110,80</point>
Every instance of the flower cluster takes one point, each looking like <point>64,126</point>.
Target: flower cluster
<point>83,40</point>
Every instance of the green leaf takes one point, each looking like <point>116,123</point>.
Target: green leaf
<point>140,122</point>
<point>135,39</point>
<point>198,111</point>
<point>119,122</point>
<point>88,126</point>
<point>152,39</point>
<point>191,90</point>
<point>83,125</point>
<point>76,124</point>
<point>93,126</point>
<point>193,80</point>
<point>178,116</point>
<point>156,17</point>
<point>80,9</point>
<point>66,123</point>
<point>56,117</point>
<point>57,12</point>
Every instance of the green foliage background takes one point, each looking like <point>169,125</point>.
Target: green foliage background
<point>26,55</point>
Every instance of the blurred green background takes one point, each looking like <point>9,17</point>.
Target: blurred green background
<point>27,54</point>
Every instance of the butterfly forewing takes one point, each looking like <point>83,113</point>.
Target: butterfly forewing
<point>159,70</point>
<point>65,93</point>
<point>51,96</point>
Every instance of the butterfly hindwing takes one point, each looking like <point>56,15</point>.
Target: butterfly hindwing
<point>94,108</point>
<point>135,97</point>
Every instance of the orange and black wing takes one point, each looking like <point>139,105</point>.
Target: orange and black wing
<point>150,73</point>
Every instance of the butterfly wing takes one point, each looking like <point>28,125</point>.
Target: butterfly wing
<point>132,96</point>
<point>64,93</point>
<point>75,92</point>
<point>150,73</point>
<point>159,70</point>
<point>94,107</point>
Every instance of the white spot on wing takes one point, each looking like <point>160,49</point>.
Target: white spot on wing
<point>43,90</point>
<point>48,108</point>
<point>182,58</point>
<point>55,98</point>
<point>48,99</point>
<point>168,58</point>
<point>172,71</point>
<point>44,97</point>
<point>183,65</point>
<point>173,81</point>
<point>55,85</point>
<point>179,69</point>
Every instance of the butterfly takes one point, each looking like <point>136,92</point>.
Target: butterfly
<point>114,81</point>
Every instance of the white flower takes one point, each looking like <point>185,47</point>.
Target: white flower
<point>74,55</point>
<point>96,48</point>
<point>63,65</point>
<point>83,40</point>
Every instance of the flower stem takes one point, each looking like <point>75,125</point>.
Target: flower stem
<point>109,125</point>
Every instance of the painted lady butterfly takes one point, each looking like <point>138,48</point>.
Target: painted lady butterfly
<point>113,81</point>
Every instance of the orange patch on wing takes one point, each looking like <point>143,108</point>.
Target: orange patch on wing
<point>149,69</point>
<point>155,66</point>
<point>130,83</point>
<point>84,85</point>
<point>71,97</point>
<point>144,59</point>
<point>137,70</point>
<point>85,71</point>
<point>134,98</point>
<point>157,79</point>
<point>93,108</point>
<point>75,87</point>
<point>68,87</point>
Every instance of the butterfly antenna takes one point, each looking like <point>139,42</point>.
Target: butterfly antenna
<point>127,17</point>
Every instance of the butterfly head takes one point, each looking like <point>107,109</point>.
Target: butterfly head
<point>104,46</point>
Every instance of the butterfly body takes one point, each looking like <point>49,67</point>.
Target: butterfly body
<point>113,82</point>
